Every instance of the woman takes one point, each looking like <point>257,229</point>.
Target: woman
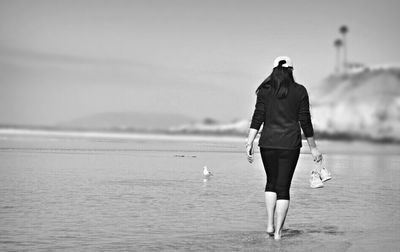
<point>283,107</point>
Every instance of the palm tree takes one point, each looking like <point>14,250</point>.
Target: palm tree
<point>338,43</point>
<point>344,30</point>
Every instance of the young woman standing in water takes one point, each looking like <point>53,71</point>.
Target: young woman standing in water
<point>283,107</point>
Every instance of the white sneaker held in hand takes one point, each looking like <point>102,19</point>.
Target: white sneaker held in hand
<point>324,174</point>
<point>315,180</point>
<point>320,168</point>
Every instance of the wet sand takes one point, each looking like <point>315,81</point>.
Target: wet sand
<point>102,194</point>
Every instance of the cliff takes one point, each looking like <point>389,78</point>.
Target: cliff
<point>365,104</point>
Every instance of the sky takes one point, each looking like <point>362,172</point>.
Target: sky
<point>62,60</point>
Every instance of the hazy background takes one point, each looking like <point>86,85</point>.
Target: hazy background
<point>141,63</point>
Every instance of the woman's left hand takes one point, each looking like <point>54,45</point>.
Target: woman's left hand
<point>250,152</point>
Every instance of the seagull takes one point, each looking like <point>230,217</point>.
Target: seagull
<point>206,172</point>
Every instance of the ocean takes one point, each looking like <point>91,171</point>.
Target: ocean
<point>147,193</point>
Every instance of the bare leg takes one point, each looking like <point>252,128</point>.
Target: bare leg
<point>270,203</point>
<point>282,207</point>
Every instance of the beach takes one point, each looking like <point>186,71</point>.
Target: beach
<point>147,193</point>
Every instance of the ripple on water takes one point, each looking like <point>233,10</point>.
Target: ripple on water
<point>292,240</point>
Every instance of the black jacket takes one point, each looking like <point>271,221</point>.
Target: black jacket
<point>282,118</point>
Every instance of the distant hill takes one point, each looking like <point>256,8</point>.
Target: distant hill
<point>128,121</point>
<point>365,104</point>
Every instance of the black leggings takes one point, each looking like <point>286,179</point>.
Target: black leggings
<point>279,166</point>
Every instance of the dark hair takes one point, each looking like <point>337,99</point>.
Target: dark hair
<point>279,80</point>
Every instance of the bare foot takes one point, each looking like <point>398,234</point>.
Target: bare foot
<point>270,231</point>
<point>277,235</point>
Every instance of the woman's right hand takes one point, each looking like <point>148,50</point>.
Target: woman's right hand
<point>250,152</point>
<point>317,155</point>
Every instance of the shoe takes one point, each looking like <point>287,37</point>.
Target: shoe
<point>324,174</point>
<point>315,180</point>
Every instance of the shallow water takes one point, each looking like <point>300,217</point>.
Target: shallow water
<point>87,195</point>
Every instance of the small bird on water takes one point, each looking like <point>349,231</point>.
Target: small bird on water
<point>206,172</point>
